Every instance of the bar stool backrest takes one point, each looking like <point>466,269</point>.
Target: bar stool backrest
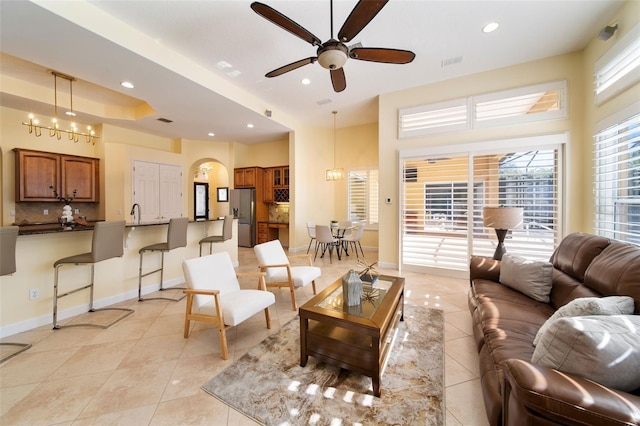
<point>107,240</point>
<point>227,227</point>
<point>177,232</point>
<point>8,240</point>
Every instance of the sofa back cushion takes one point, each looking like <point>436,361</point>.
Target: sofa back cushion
<point>576,252</point>
<point>616,271</point>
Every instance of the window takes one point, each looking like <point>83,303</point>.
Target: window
<point>434,118</point>
<point>619,68</point>
<point>617,176</point>
<point>363,196</point>
<point>442,210</point>
<point>544,101</point>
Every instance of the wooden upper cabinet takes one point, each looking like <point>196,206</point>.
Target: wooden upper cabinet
<point>267,195</point>
<point>37,171</point>
<point>280,177</point>
<point>79,174</point>
<point>244,178</point>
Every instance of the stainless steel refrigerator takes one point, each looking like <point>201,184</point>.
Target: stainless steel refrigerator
<point>243,208</point>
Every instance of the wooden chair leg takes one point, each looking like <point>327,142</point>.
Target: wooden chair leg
<point>313,285</point>
<point>267,317</point>
<point>223,340</point>
<point>186,316</point>
<point>293,298</point>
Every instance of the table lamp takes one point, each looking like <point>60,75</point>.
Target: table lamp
<point>502,219</point>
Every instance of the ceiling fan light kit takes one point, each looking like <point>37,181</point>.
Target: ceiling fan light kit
<point>333,54</point>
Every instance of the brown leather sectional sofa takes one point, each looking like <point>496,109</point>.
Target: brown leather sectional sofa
<point>505,323</point>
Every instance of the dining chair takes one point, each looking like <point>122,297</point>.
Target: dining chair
<point>107,243</point>
<point>326,241</point>
<point>345,228</point>
<point>354,239</point>
<point>176,237</point>
<point>214,295</point>
<point>281,273</point>
<point>311,230</point>
<point>8,241</point>
<point>227,230</point>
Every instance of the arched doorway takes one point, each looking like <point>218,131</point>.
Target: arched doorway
<point>212,175</point>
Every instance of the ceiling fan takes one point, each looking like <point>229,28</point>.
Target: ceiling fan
<point>333,54</point>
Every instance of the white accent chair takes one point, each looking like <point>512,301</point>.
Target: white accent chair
<point>214,295</point>
<point>280,273</point>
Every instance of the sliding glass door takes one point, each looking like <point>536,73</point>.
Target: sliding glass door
<point>443,196</point>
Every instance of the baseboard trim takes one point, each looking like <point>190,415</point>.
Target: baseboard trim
<point>30,324</point>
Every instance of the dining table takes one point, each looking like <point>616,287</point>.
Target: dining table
<point>338,231</point>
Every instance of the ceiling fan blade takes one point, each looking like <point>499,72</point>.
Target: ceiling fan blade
<point>377,54</point>
<point>282,21</point>
<point>290,67</point>
<point>359,17</point>
<point>338,80</point>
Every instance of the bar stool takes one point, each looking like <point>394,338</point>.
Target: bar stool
<point>8,240</point>
<point>176,237</point>
<point>107,243</point>
<point>227,227</point>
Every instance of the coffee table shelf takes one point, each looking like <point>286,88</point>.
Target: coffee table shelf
<point>355,338</point>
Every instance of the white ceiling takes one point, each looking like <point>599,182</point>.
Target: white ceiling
<point>171,51</point>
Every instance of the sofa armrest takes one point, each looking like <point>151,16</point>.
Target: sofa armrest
<point>533,394</point>
<point>486,268</point>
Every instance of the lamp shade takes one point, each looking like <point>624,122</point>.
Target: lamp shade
<point>502,217</point>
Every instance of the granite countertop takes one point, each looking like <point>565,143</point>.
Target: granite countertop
<point>33,228</point>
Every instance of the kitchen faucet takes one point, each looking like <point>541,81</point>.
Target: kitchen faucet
<point>133,212</point>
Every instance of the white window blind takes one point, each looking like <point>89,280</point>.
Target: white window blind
<point>617,180</point>
<point>619,67</point>
<point>363,196</point>
<point>442,209</point>
<point>531,103</point>
<point>433,118</point>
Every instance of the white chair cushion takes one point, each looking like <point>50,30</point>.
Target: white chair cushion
<point>198,275</point>
<point>239,305</point>
<point>301,275</point>
<point>271,253</point>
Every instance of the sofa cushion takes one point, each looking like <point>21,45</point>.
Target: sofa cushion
<point>613,305</point>
<point>575,253</point>
<point>615,272</point>
<point>527,276</point>
<point>605,349</point>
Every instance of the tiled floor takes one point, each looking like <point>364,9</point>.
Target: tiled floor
<point>142,370</point>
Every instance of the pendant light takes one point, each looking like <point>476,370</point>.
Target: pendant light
<point>334,173</point>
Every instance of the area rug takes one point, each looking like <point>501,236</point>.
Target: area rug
<point>268,385</point>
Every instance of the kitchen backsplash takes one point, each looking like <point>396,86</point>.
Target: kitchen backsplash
<point>33,212</point>
<point>279,213</point>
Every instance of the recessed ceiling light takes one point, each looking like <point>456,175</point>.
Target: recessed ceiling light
<point>127,84</point>
<point>250,126</point>
<point>211,134</point>
<point>305,81</point>
<point>490,27</point>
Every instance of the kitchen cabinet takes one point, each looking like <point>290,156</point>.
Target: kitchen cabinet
<point>245,177</point>
<point>37,171</point>
<point>276,185</point>
<point>263,233</point>
<point>269,231</point>
<point>281,177</point>
<point>267,194</point>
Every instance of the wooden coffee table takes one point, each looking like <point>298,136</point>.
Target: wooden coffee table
<point>357,338</point>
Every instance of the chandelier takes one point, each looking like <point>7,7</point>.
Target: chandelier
<point>335,173</point>
<point>54,129</point>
